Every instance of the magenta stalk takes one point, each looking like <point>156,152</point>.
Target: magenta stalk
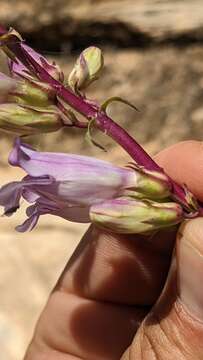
<point>103,122</point>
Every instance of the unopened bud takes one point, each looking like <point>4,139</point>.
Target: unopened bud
<point>87,68</point>
<point>27,121</point>
<point>129,216</point>
<point>25,92</point>
<point>35,94</point>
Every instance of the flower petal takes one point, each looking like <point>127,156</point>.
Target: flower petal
<point>11,193</point>
<point>79,179</point>
<point>28,224</point>
<point>42,206</point>
<point>69,212</point>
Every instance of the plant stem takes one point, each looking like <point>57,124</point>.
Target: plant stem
<point>103,122</point>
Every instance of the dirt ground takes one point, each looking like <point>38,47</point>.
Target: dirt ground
<point>166,85</point>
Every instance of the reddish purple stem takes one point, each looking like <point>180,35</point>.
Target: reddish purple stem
<point>104,123</point>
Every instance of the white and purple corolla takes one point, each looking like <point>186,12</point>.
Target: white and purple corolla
<point>76,187</point>
<point>61,184</point>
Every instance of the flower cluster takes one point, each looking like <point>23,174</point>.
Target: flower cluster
<point>36,98</point>
<point>27,105</point>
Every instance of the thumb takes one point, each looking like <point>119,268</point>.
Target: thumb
<point>174,327</point>
<point>189,254</point>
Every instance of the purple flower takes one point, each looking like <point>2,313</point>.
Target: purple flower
<point>62,185</point>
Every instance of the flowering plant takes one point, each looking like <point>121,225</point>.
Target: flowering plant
<point>37,98</point>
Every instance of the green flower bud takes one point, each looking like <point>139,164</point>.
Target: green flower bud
<point>32,93</point>
<point>28,121</point>
<point>128,216</point>
<point>87,68</point>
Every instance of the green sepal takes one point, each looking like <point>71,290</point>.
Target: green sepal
<point>89,137</point>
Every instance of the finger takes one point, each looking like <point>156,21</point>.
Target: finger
<point>174,329</point>
<point>97,328</point>
<point>184,163</point>
<point>122,269</point>
<point>90,329</point>
<point>84,328</point>
<point>190,267</point>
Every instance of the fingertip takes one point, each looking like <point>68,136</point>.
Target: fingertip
<point>191,231</point>
<point>189,251</point>
<point>183,162</point>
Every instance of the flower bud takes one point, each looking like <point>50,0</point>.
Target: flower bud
<point>25,92</point>
<point>28,121</point>
<point>128,216</point>
<point>87,68</point>
<point>35,94</point>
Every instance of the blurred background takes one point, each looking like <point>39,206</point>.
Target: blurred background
<point>154,58</point>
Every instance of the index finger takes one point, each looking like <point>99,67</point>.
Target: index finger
<point>183,162</point>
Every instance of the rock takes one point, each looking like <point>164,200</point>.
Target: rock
<point>126,22</point>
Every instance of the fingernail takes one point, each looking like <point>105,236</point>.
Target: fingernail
<point>190,266</point>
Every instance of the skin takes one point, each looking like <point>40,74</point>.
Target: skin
<point>131,297</point>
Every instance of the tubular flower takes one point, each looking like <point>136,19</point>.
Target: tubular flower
<point>66,185</point>
<point>60,184</point>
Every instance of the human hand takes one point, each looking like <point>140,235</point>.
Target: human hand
<point>107,304</point>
